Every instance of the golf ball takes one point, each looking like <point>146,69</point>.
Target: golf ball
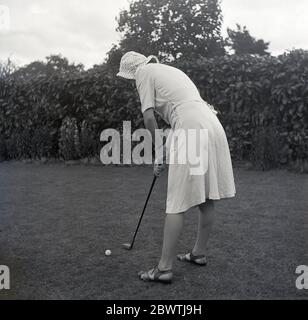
<point>108,252</point>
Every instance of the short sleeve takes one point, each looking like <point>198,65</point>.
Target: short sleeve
<point>146,89</point>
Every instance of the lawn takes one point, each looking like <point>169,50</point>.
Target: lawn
<point>57,221</point>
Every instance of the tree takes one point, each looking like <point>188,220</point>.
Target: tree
<point>242,42</point>
<point>171,29</point>
<point>7,68</point>
<point>60,65</point>
<point>114,56</point>
<point>55,64</point>
<point>34,69</point>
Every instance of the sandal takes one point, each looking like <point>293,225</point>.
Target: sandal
<point>190,257</point>
<point>156,275</point>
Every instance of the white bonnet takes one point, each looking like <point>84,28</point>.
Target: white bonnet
<point>131,61</point>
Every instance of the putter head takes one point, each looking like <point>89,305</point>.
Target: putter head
<point>127,246</point>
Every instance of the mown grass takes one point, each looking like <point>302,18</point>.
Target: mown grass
<point>56,223</point>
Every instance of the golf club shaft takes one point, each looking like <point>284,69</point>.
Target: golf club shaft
<point>143,211</point>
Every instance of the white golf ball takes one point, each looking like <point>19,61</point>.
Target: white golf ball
<point>108,252</point>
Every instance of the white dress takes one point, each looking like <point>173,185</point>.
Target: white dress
<point>177,100</point>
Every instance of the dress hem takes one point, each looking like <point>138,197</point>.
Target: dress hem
<point>186,208</point>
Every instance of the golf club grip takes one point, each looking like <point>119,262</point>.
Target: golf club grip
<point>143,211</point>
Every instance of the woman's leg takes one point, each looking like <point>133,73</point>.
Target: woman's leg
<point>206,219</point>
<point>173,227</point>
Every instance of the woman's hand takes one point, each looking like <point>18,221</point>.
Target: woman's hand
<point>160,161</point>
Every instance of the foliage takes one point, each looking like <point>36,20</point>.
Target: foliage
<point>263,104</point>
<point>170,29</point>
<point>69,144</point>
<point>6,68</point>
<point>54,65</point>
<point>88,141</point>
<point>254,92</point>
<point>242,42</point>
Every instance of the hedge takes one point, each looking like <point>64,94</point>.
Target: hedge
<point>262,104</point>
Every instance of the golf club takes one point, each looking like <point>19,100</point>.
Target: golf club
<point>129,246</point>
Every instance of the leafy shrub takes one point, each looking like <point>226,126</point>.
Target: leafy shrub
<point>69,144</point>
<point>3,149</point>
<point>265,148</point>
<point>254,92</point>
<point>88,140</point>
<point>260,99</point>
<point>44,141</point>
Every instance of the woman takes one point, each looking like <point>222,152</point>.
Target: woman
<point>170,93</point>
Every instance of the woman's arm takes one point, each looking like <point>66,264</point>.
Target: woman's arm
<point>150,124</point>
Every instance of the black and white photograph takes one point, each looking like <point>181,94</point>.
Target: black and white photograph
<point>154,150</point>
